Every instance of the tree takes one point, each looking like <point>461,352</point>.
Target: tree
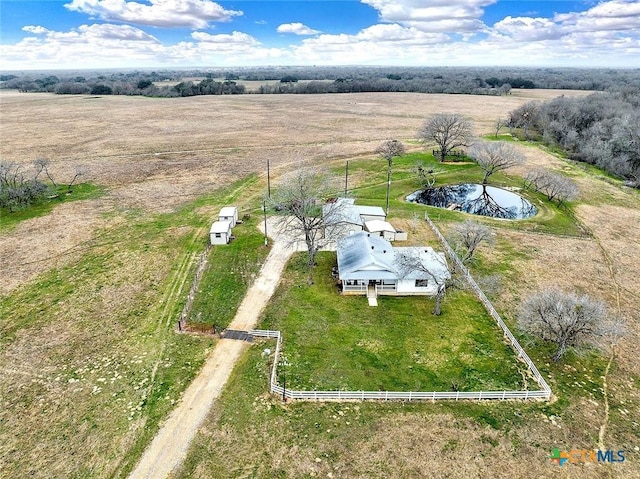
<point>525,117</point>
<point>499,125</point>
<point>494,156</point>
<point>467,236</point>
<point>101,90</point>
<point>426,175</point>
<point>305,212</point>
<point>79,172</point>
<point>142,84</point>
<point>447,130</point>
<point>553,185</point>
<point>564,319</point>
<point>389,150</point>
<point>17,191</point>
<point>409,261</point>
<point>42,164</point>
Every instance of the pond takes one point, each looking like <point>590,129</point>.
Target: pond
<point>476,199</point>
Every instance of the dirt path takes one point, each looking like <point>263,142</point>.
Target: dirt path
<point>170,445</point>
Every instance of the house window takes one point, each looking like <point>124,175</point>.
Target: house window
<point>218,235</point>
<point>422,283</point>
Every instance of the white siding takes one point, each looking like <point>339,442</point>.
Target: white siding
<point>408,286</point>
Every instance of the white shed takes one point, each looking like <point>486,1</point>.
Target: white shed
<point>230,214</point>
<point>381,228</point>
<point>220,232</point>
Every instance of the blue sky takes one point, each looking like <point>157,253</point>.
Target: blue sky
<point>53,34</point>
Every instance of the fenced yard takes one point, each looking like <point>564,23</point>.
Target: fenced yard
<point>410,356</point>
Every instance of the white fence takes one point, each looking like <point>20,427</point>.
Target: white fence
<point>384,395</point>
<point>522,355</point>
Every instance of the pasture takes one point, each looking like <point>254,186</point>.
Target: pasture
<point>90,363</point>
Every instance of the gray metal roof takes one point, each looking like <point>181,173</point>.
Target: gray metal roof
<point>370,210</point>
<point>343,210</point>
<point>434,262</point>
<point>364,256</point>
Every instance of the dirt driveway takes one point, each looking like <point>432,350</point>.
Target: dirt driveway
<point>170,445</point>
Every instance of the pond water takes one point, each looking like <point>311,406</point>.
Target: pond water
<point>476,199</point>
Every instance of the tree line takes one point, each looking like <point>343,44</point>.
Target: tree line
<point>602,129</point>
<point>316,80</point>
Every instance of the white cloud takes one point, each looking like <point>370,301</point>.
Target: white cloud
<point>158,13</point>
<point>297,29</point>
<point>616,23</point>
<point>88,46</point>
<point>434,15</point>
<point>614,15</point>
<point>526,29</point>
<point>37,29</point>
<point>236,38</point>
<point>382,43</point>
<point>605,35</point>
<point>109,45</point>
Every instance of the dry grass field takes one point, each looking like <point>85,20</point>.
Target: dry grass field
<point>89,292</point>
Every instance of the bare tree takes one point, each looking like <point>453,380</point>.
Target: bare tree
<point>494,156</point>
<point>553,185</point>
<point>499,125</point>
<point>525,117</point>
<point>447,130</point>
<point>18,191</point>
<point>436,270</point>
<point>467,236</point>
<point>80,171</point>
<point>389,150</point>
<point>564,319</point>
<point>307,202</point>
<point>43,164</point>
<point>426,175</point>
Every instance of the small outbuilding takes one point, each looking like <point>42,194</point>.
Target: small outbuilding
<point>381,228</point>
<point>220,232</point>
<point>230,214</point>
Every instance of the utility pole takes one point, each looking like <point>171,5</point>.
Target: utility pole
<point>268,179</point>
<point>264,209</point>
<point>346,179</point>
<point>388,186</point>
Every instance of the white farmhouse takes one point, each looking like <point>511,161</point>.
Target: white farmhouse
<point>369,264</point>
<point>220,232</point>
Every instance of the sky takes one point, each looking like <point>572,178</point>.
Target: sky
<point>91,34</point>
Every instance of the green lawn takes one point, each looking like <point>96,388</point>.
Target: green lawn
<point>231,270</point>
<point>551,218</point>
<point>339,342</point>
